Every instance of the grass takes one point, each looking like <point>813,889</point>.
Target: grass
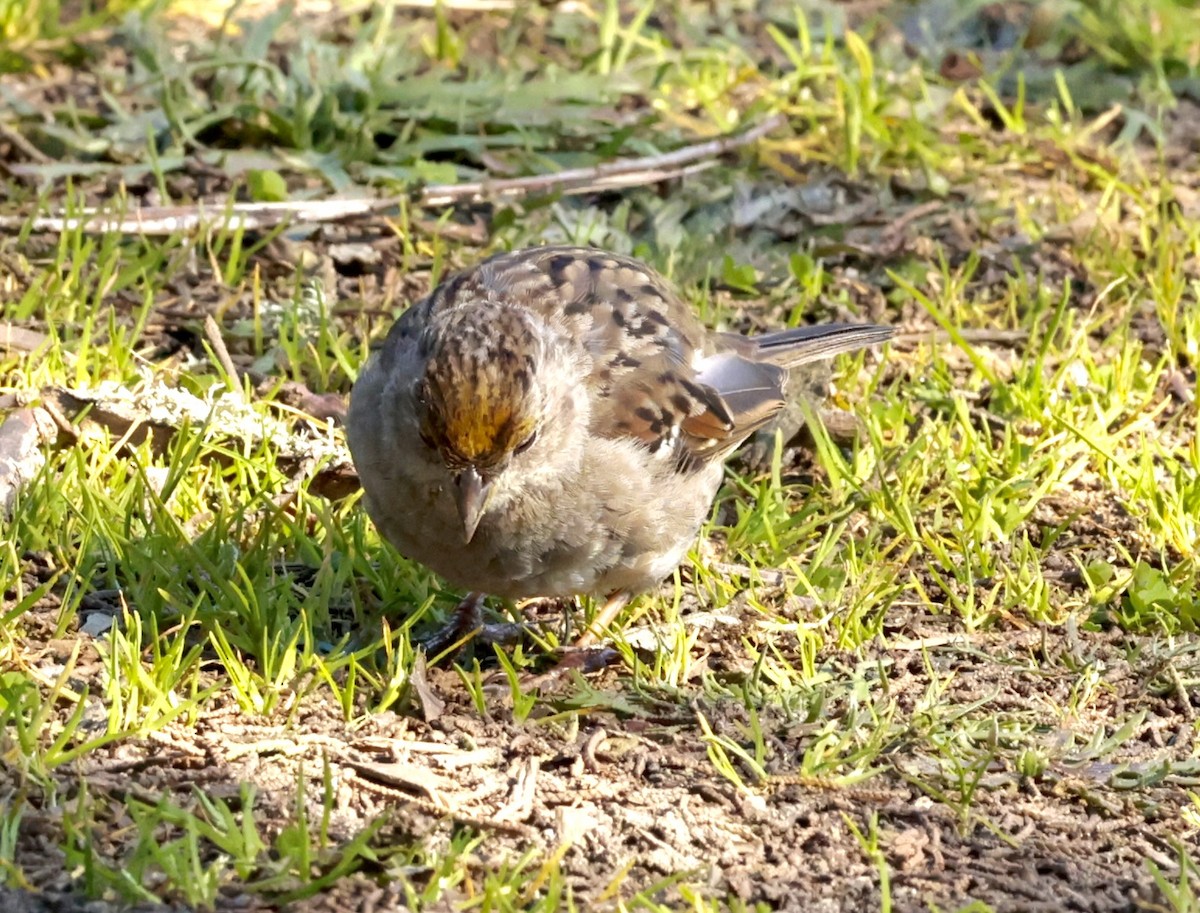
<point>986,606</point>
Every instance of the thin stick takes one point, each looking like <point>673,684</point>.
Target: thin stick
<point>441,194</point>
<point>217,341</point>
<point>630,172</point>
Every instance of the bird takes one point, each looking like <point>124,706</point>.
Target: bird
<point>553,422</point>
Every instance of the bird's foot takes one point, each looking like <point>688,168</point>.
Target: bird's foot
<point>585,660</point>
<point>466,625</point>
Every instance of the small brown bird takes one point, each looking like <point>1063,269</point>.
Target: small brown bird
<point>553,422</point>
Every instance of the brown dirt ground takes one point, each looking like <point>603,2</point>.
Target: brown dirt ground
<point>637,789</point>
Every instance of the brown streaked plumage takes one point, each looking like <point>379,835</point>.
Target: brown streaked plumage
<point>478,400</point>
<point>552,422</point>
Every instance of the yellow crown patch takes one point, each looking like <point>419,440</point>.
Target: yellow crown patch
<point>479,423</point>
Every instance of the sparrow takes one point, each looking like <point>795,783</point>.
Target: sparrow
<point>553,422</point>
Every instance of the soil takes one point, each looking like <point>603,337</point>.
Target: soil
<point>632,790</point>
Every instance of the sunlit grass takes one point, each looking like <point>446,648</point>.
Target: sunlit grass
<point>1044,478</point>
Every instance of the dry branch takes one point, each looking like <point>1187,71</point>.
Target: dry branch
<point>22,433</point>
<point>631,172</point>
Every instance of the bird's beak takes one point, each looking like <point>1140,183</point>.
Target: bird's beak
<point>471,492</point>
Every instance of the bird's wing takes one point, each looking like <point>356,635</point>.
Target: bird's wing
<point>658,376</point>
<point>644,346</point>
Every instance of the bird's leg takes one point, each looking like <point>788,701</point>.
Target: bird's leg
<point>465,620</point>
<point>609,611</point>
<point>466,623</point>
<point>584,655</point>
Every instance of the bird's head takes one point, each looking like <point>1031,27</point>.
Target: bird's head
<point>482,402</point>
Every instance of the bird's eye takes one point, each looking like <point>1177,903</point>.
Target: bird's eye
<point>526,444</point>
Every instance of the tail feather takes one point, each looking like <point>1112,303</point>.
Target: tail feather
<point>799,346</point>
<point>749,376</point>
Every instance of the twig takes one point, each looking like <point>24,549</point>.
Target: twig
<point>393,796</point>
<point>213,334</point>
<point>34,153</point>
<point>441,194</point>
<point>631,172</point>
<point>65,425</point>
<point>896,228</point>
<point>15,338</point>
<point>167,220</point>
<point>21,437</point>
<point>520,806</point>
